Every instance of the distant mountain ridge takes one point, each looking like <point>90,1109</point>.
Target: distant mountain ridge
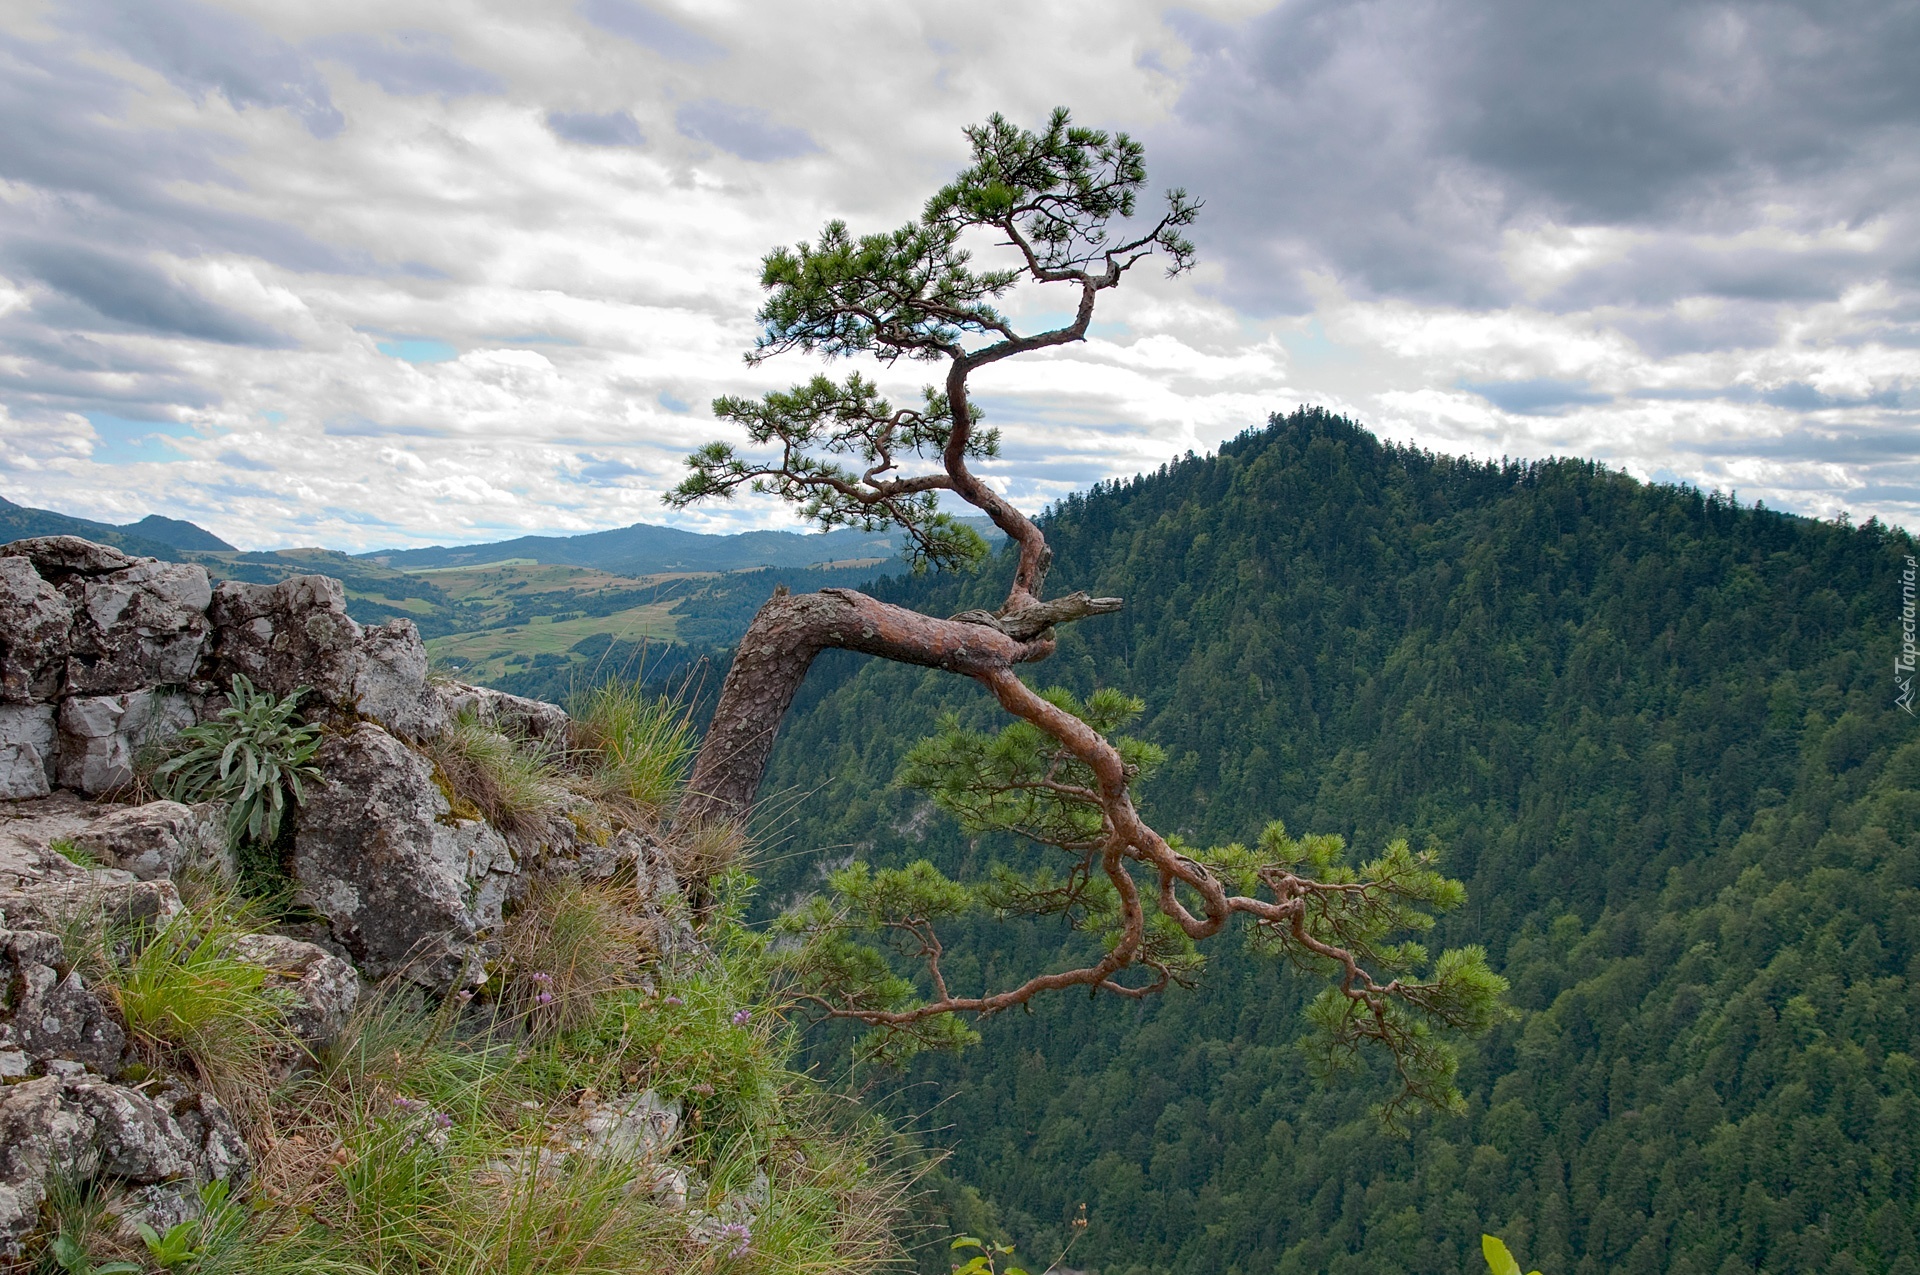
<point>153,536</point>
<point>647,549</point>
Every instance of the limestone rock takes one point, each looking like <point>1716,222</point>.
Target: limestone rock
<point>141,626</point>
<point>325,988</point>
<point>28,830</point>
<point>390,682</point>
<point>26,748</point>
<point>633,1126</point>
<point>107,894</point>
<point>405,886</point>
<point>34,625</point>
<point>45,1015</point>
<point>161,839</point>
<point>297,633</point>
<point>101,736</point>
<point>63,558</point>
<point>165,1147</point>
<point>511,714</point>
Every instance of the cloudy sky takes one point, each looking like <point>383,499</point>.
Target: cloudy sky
<point>372,274</point>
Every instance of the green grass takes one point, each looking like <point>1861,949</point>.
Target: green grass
<point>188,1002</point>
<point>74,854</point>
<point>645,743</point>
<point>479,651</point>
<point>414,1149</point>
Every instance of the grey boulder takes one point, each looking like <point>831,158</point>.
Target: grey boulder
<point>34,624</point>
<point>101,737</point>
<point>324,989</point>
<point>62,559</point>
<point>140,626</point>
<point>297,634</point>
<point>47,1016</point>
<point>405,886</point>
<point>162,839</point>
<point>513,715</point>
<point>26,749</point>
<point>164,1147</point>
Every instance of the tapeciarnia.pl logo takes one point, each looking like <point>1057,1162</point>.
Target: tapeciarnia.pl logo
<point>1903,663</point>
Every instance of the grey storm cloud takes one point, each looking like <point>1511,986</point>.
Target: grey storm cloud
<point>206,50</point>
<point>129,294</point>
<point>1537,397</point>
<point>742,130</point>
<point>407,63</point>
<point>1394,142</point>
<point>636,22</point>
<point>616,128</point>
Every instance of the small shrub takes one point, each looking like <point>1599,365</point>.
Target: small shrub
<point>640,744</point>
<point>254,756</point>
<point>513,785</point>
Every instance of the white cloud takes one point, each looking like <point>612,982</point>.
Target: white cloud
<point>197,242</point>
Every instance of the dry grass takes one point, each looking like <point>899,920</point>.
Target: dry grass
<point>701,854</point>
<point>569,943</point>
<point>513,783</point>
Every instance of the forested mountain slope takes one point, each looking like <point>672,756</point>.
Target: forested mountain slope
<point>1655,732</point>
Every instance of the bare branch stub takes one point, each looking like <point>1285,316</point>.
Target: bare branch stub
<point>1063,201</point>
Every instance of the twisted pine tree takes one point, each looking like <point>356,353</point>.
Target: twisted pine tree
<point>1062,202</point>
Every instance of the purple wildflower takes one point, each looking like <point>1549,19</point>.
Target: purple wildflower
<point>675,1000</point>
<point>738,1232</point>
<point>441,1120</point>
<point>463,995</point>
<point>405,1104</point>
<point>544,998</point>
<point>541,977</point>
<point>741,1017</point>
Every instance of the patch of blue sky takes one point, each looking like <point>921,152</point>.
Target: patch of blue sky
<point>119,441</point>
<point>416,349</point>
<point>1310,346</point>
<point>674,404</point>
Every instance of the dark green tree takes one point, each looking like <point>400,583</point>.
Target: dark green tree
<point>1060,204</point>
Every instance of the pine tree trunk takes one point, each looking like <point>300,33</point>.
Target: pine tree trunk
<point>773,659</point>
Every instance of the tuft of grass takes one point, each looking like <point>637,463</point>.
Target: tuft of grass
<point>187,999</point>
<point>641,745</point>
<point>77,855</point>
<point>569,944</point>
<point>510,782</point>
<point>81,1236</point>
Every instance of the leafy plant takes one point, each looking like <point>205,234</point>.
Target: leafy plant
<point>254,756</point>
<point>987,1259</point>
<point>72,1258</point>
<point>1499,1260</point>
<point>177,1247</point>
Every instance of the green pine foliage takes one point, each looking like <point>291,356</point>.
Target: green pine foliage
<point>1651,729</point>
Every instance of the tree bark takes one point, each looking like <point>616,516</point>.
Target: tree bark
<point>773,659</point>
